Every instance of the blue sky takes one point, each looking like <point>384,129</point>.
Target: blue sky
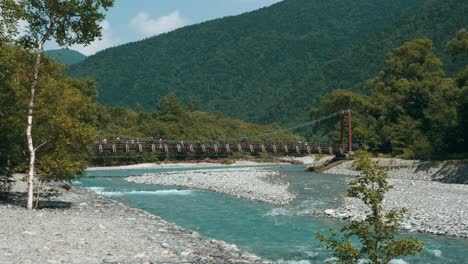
<point>132,20</point>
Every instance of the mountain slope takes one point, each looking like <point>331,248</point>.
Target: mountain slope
<point>273,64</point>
<point>66,56</point>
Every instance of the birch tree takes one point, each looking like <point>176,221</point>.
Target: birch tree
<point>67,22</point>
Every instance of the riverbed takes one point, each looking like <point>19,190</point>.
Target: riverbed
<point>269,231</point>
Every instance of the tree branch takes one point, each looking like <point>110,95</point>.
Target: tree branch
<point>47,34</point>
<point>40,145</point>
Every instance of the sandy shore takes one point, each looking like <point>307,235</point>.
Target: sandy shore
<point>432,206</point>
<point>259,184</point>
<point>87,228</point>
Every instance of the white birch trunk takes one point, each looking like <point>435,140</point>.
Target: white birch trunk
<point>32,151</point>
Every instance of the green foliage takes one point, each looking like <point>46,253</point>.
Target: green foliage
<point>458,45</point>
<point>169,108</point>
<point>67,22</point>
<point>274,64</point>
<point>9,13</point>
<point>413,110</point>
<point>11,105</point>
<point>65,56</point>
<point>173,121</point>
<point>362,120</point>
<point>377,232</point>
<point>65,117</point>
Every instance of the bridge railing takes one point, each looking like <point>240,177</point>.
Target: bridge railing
<point>167,147</point>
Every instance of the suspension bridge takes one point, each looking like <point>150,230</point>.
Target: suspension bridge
<point>225,148</point>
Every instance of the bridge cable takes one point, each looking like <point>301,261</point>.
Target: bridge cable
<point>259,135</point>
<point>291,128</point>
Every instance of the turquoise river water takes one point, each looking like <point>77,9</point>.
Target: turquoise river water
<point>277,233</point>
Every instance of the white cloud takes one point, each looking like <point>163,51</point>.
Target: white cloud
<point>107,40</point>
<point>146,26</point>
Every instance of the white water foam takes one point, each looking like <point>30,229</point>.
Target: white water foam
<point>311,254</point>
<point>436,252</point>
<point>160,192</point>
<point>96,189</point>
<point>397,261</point>
<point>331,260</point>
<point>313,203</point>
<point>278,211</point>
<point>363,261</point>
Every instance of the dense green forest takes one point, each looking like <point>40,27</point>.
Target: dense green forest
<point>66,56</point>
<point>172,120</point>
<point>413,108</point>
<point>274,64</point>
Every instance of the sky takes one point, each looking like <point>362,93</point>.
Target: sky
<point>133,20</point>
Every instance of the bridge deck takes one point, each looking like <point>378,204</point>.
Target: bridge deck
<point>216,147</point>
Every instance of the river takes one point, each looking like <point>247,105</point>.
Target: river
<point>277,233</point>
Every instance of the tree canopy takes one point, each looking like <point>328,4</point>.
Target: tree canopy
<point>413,108</point>
<point>65,116</point>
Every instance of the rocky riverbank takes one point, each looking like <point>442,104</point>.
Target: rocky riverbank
<point>82,227</point>
<point>432,206</point>
<point>259,184</point>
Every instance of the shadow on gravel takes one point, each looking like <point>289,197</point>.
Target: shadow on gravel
<point>19,199</point>
<point>446,172</point>
<point>450,173</point>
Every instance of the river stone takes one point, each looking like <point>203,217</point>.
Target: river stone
<point>330,212</point>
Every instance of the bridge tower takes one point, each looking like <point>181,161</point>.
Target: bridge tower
<point>346,114</point>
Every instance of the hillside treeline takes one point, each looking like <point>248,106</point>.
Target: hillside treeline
<point>171,119</point>
<point>413,109</point>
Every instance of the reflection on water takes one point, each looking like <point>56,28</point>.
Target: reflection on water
<point>276,233</point>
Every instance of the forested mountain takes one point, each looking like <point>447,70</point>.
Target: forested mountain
<point>274,64</point>
<point>66,56</point>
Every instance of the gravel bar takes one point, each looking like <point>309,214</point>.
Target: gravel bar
<point>258,184</point>
<point>432,207</point>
